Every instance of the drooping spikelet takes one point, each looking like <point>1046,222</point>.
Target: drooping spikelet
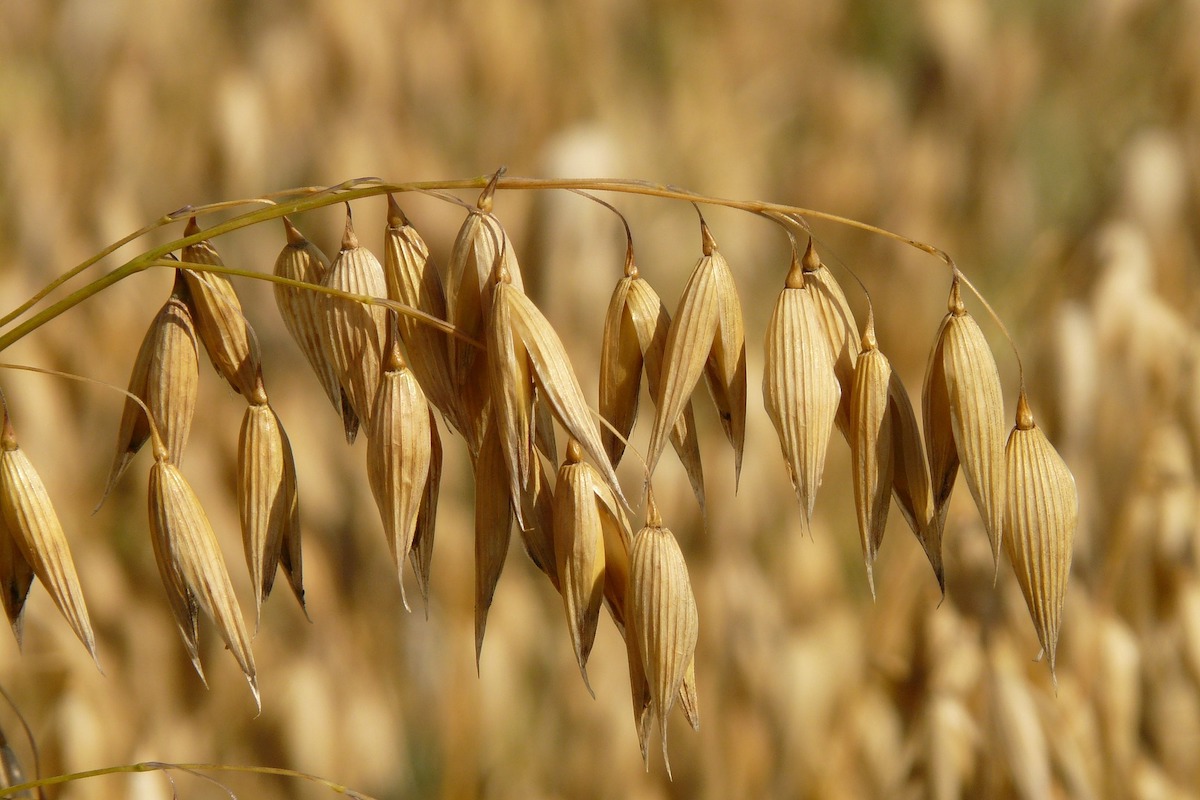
<point>964,418</point>
<point>635,338</point>
<point>663,610</point>
<point>837,322</point>
<point>871,446</point>
<point>33,526</point>
<point>355,332</point>
<point>303,313</point>
<point>493,528</point>
<point>16,576</point>
<point>223,328</point>
<point>166,378</point>
<point>1043,513</point>
<point>910,477</point>
<point>193,571</point>
<point>512,389</point>
<point>267,498</point>
<point>707,338</point>
<point>586,518</point>
<point>800,389</point>
<point>420,554</point>
<point>399,453</point>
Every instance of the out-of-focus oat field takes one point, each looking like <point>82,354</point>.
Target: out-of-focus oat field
<point>1052,149</point>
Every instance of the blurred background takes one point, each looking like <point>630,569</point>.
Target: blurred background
<point>1052,149</point>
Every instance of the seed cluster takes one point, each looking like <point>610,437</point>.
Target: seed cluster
<point>394,345</point>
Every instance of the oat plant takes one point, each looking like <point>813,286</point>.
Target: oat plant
<point>413,358</point>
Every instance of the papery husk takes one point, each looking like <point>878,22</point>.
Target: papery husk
<point>871,447</point>
<point>291,558</point>
<point>399,452</point>
<point>355,333</point>
<point>635,339</point>
<point>511,384</point>
<point>837,322</point>
<point>303,312</point>
<point>706,337</point>
<point>493,528</point>
<point>664,612</point>
<point>555,379</point>
<point>537,537</point>
<point>1043,514</point>
<point>910,478</point>
<point>420,554</point>
<point>800,389</point>
<point>266,495</point>
<point>413,279</point>
<point>16,576</point>
<point>166,378</point>
<point>34,527</point>
<point>222,327</point>
<point>193,571</point>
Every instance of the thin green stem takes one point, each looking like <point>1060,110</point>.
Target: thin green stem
<point>159,766</point>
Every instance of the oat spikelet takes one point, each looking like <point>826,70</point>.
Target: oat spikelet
<point>413,279</point>
<point>555,380</point>
<point>266,494</point>
<point>800,389</point>
<point>837,322</point>
<point>399,452</point>
<point>16,576</point>
<point>303,313</point>
<point>193,571</point>
<point>493,528</point>
<point>706,337</point>
<point>639,687</point>
<point>664,612</point>
<point>34,527</point>
<point>584,507</point>
<point>166,378</point>
<point>354,332</point>
<point>511,384</point>
<point>537,505</point>
<point>963,399</point>
<point>1043,513</point>
<point>290,557</point>
<point>871,443</point>
<point>635,338</point>
<point>227,336</point>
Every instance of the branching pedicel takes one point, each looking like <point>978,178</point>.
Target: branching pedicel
<point>394,341</point>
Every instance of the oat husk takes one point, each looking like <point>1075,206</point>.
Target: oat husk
<point>222,327</point>
<point>166,378</point>
<point>267,500</point>
<point>420,554</point>
<point>871,446</point>
<point>16,576</point>
<point>635,339</point>
<point>413,279</point>
<point>706,337</point>
<point>537,506</point>
<point>355,332</point>
<point>663,610</point>
<point>399,453</point>
<point>511,384</point>
<point>1043,514</point>
<point>837,322</point>
<point>800,389</point>
<point>303,313</point>
<point>910,478</point>
<point>193,571</point>
<point>34,527</point>
<point>493,528</point>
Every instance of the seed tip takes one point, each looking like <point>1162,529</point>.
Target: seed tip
<point>395,216</point>
<point>955,304</point>
<point>795,276</point>
<point>708,244</point>
<point>294,237</point>
<point>811,261</point>
<point>1024,413</point>
<point>192,227</point>
<point>349,237</point>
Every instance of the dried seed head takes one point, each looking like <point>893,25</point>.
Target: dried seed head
<point>706,337</point>
<point>586,517</point>
<point>399,451</point>
<point>1043,514</point>
<point>267,499</point>
<point>303,314</point>
<point>537,506</point>
<point>635,338</point>
<point>34,527</point>
<point>871,443</point>
<point>663,609</point>
<point>838,325</point>
<point>355,332</point>
<point>512,390</point>
<point>166,378</point>
<point>290,556</point>
<point>910,478</point>
<point>963,398</point>
<point>227,336</point>
<point>413,279</point>
<point>800,391</point>
<point>193,571</point>
<point>493,528</point>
